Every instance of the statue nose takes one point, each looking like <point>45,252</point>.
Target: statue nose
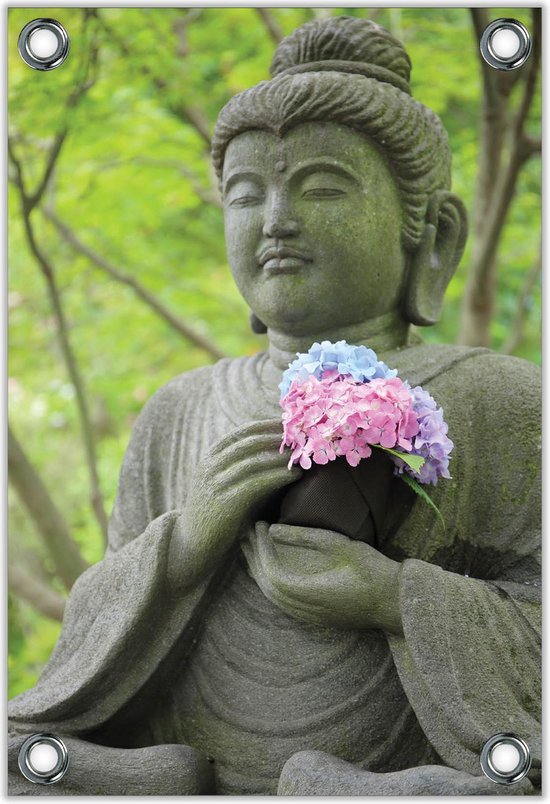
<point>279,222</point>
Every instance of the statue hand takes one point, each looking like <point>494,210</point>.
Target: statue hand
<point>323,577</point>
<point>229,485</point>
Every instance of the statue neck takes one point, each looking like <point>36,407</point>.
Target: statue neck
<point>382,334</point>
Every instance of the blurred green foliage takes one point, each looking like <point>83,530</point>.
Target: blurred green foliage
<point>131,181</point>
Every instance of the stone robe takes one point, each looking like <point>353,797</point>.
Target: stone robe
<point>223,670</point>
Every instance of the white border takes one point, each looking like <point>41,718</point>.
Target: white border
<point>4,6</point>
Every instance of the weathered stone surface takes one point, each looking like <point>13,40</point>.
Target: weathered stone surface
<point>294,650</point>
<point>160,770</point>
<point>313,773</point>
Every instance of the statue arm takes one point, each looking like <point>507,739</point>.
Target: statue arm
<point>112,642</point>
<point>470,659</point>
<point>113,639</point>
<point>126,613</point>
<point>469,662</point>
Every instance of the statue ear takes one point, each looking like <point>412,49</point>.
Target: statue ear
<point>434,262</point>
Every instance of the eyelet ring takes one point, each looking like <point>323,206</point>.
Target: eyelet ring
<point>505,759</point>
<point>43,759</point>
<point>43,44</point>
<point>505,44</point>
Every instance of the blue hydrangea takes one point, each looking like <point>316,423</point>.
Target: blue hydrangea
<point>359,362</point>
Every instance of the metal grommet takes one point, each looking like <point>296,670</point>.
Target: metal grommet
<point>43,759</point>
<point>505,759</point>
<point>43,44</point>
<point>505,44</point>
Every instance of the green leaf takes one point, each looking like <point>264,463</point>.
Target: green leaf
<point>416,462</point>
<point>417,488</point>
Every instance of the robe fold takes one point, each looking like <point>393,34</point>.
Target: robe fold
<point>469,661</point>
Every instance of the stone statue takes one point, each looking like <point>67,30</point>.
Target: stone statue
<point>211,651</point>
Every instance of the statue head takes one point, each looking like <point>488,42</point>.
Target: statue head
<point>336,184</point>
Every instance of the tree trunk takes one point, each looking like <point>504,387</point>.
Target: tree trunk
<point>51,524</point>
<point>34,591</point>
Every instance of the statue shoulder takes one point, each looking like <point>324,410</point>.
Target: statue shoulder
<point>162,416</point>
<point>202,392</point>
<point>476,373</point>
<point>189,390</point>
<point>501,382</point>
<point>198,385</point>
<point>188,385</point>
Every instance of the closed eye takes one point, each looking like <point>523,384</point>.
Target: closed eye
<point>243,191</point>
<point>322,192</point>
<point>324,184</point>
<point>244,201</point>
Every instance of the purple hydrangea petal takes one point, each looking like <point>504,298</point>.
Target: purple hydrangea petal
<point>431,442</point>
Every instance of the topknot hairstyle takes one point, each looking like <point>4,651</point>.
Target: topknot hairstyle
<point>353,72</point>
<point>362,43</point>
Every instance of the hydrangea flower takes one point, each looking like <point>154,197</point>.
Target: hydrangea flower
<point>359,362</point>
<point>340,401</point>
<point>431,442</point>
<point>336,416</point>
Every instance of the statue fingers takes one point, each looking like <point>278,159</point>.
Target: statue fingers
<point>249,451</point>
<point>287,576</point>
<point>266,474</point>
<point>314,538</point>
<point>280,594</point>
<point>249,430</point>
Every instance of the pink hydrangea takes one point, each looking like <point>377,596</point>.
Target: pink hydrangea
<point>336,416</point>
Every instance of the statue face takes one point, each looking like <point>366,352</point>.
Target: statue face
<point>313,227</point>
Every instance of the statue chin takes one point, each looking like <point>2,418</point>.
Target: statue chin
<point>286,313</point>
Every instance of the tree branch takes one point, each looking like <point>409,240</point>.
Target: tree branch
<point>493,126</point>
<point>28,204</point>
<point>82,87</point>
<point>532,146</point>
<point>208,196</point>
<point>272,26</point>
<point>53,154</point>
<point>532,75</point>
<point>496,188</point>
<point>126,279</point>
<point>70,361</point>
<point>480,20</point>
<point>521,149</point>
<point>47,517</point>
<point>18,179</point>
<point>188,114</point>
<point>35,592</point>
<point>516,335</point>
<point>180,26</point>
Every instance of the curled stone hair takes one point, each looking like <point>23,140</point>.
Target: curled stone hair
<point>353,72</point>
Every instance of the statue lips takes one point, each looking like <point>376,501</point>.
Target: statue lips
<point>282,260</point>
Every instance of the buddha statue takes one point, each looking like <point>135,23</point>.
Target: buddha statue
<point>212,651</point>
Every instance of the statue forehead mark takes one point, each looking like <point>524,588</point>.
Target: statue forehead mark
<point>281,156</point>
<point>281,162</point>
